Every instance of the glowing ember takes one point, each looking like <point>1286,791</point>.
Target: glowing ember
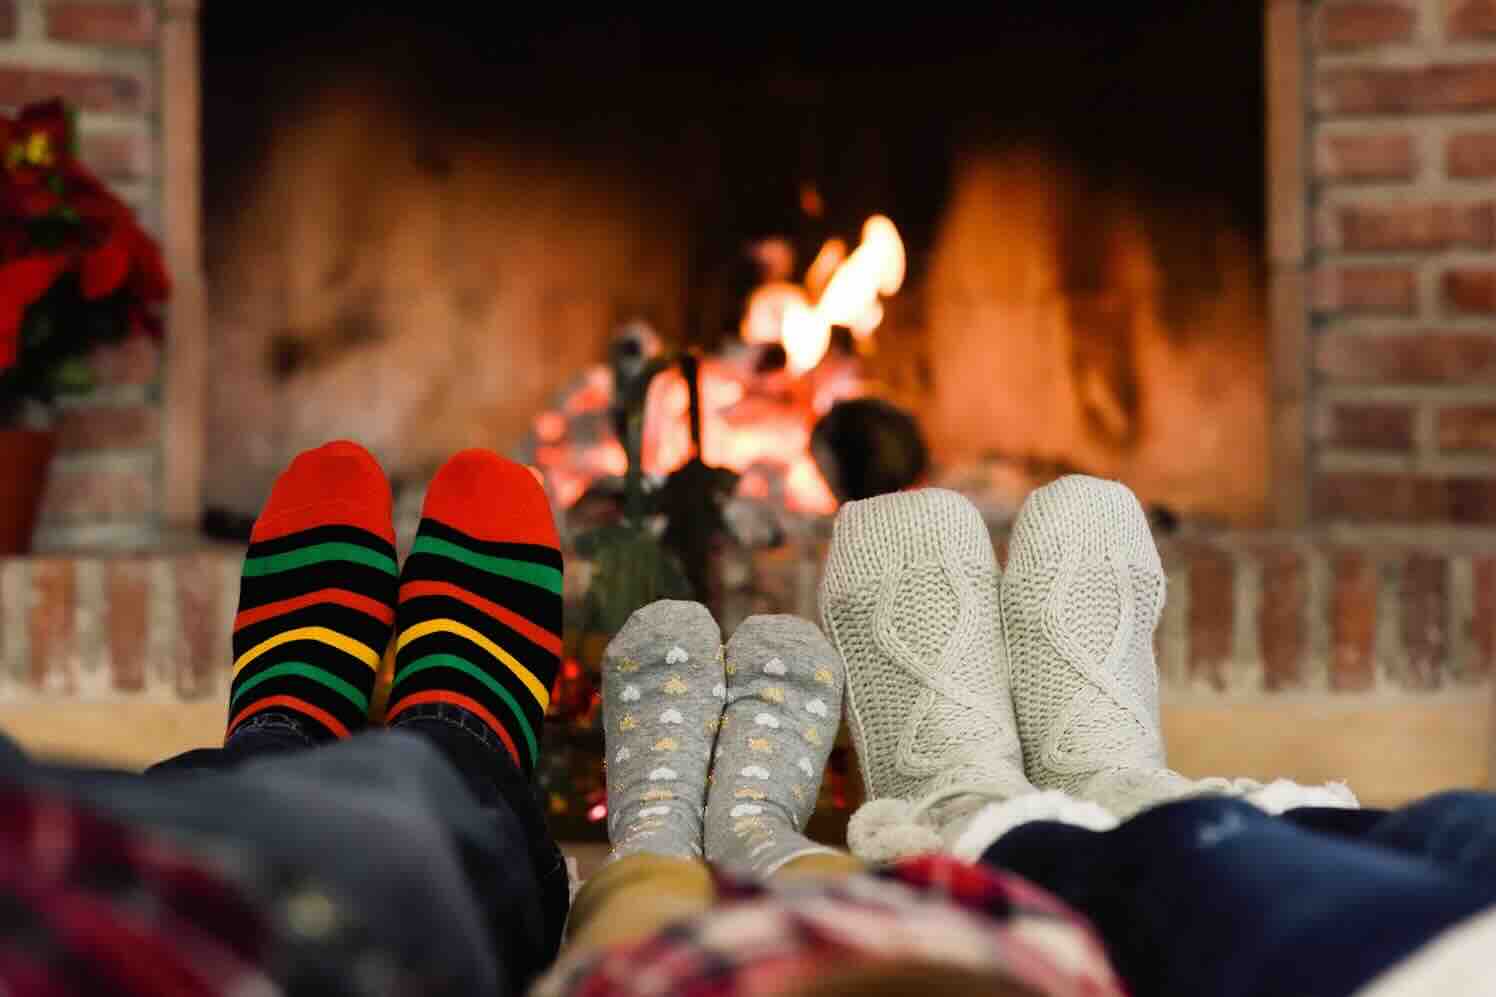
<point>755,422</point>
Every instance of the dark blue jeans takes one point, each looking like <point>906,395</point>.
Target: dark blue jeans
<point>430,842</point>
<point>1212,896</point>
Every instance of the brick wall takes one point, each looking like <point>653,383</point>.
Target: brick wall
<point>1402,255</point>
<point>103,57</point>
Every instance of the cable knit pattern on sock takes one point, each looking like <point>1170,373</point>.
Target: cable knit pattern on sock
<point>1080,599</point>
<point>909,598</point>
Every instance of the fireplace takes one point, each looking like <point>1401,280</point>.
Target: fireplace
<point>1293,364</point>
<point>424,237</point>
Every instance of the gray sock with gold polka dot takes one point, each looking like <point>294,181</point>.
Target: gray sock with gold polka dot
<point>663,690</point>
<point>784,694</point>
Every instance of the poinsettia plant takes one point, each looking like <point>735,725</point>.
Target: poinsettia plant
<point>76,268</point>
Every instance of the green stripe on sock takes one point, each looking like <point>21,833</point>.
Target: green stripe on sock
<point>467,667</point>
<point>255,567</point>
<point>539,575</point>
<point>319,675</point>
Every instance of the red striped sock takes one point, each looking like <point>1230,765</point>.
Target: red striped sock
<point>316,600</point>
<point>480,603</point>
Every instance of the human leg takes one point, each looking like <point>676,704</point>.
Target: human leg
<point>1211,895</point>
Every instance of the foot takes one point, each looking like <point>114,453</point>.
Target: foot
<point>909,599</point>
<point>1080,602</point>
<point>480,607</point>
<point>1082,595</point>
<point>663,689</point>
<point>316,601</point>
<point>784,691</point>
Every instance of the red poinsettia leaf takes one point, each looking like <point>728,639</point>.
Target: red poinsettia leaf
<point>106,266</point>
<point>22,282</point>
<point>149,278</point>
<point>36,202</point>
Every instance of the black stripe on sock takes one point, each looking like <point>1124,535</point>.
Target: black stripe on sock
<point>539,606</point>
<point>349,622</point>
<point>332,533</point>
<point>540,662</point>
<point>459,647</point>
<point>538,553</point>
<point>261,590</point>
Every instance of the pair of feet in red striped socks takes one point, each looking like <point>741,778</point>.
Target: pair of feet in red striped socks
<point>476,607</point>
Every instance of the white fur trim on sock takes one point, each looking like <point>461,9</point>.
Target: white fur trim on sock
<point>997,819</point>
<point>1283,795</point>
<point>884,830</point>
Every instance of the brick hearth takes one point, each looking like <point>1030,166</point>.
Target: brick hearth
<point>1247,613</point>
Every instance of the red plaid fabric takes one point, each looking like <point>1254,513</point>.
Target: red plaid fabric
<point>88,906</point>
<point>764,939</point>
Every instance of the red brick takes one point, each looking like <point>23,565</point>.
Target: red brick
<point>116,155</point>
<point>108,427</point>
<point>92,495</point>
<point>1470,19</point>
<point>1377,227</point>
<point>53,623</point>
<point>1470,290</point>
<point>1353,622</point>
<point>1212,611</point>
<point>1467,427</point>
<point>128,587</point>
<point>1369,497</point>
<point>1372,290</point>
<point>1465,86</point>
<point>1405,498</point>
<point>102,23</point>
<point>1367,157</point>
<point>1281,630</point>
<point>200,625</point>
<point>7,18</point>
<point>1417,358</point>
<point>1371,426</point>
<point>1484,623</point>
<point>136,360</point>
<point>1425,621</point>
<point>1470,155</point>
<point>1362,24</point>
<point>91,91</point>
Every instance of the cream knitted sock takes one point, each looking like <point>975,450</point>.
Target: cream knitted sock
<point>1081,596</point>
<point>909,598</point>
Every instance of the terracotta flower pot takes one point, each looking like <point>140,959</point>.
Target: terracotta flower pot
<point>25,455</point>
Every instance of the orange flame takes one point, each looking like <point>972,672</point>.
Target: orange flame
<point>847,289</point>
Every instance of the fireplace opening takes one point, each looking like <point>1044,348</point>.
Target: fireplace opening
<point>424,231</point>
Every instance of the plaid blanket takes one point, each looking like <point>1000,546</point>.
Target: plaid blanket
<point>764,939</point>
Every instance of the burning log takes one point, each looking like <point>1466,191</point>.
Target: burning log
<point>866,447</point>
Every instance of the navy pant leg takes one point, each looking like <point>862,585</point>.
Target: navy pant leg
<point>1212,896</point>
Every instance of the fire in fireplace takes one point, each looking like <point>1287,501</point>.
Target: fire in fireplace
<point>425,237</point>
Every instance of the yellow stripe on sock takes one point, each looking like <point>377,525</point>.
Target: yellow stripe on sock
<point>321,635</point>
<point>541,693</point>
